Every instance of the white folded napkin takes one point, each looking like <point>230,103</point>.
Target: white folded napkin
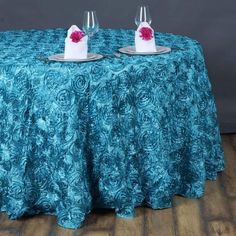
<point>144,38</point>
<point>76,44</point>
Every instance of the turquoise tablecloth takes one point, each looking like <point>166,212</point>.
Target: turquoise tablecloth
<point>116,133</point>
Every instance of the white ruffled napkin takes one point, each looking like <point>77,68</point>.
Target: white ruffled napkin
<point>76,44</point>
<point>144,38</point>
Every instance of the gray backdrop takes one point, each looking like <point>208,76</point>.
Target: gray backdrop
<point>212,22</point>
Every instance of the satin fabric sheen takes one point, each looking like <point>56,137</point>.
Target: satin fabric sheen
<point>115,133</point>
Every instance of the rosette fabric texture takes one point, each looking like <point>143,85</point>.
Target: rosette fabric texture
<point>76,44</point>
<point>144,38</point>
<point>116,133</point>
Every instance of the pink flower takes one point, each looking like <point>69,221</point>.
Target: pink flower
<point>76,36</point>
<point>146,33</point>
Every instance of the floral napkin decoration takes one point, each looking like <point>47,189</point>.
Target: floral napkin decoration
<point>76,44</point>
<point>144,38</point>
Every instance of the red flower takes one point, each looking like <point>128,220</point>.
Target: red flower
<point>146,33</point>
<point>76,36</point>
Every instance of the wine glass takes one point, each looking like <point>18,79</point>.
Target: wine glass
<point>90,23</point>
<point>143,15</point>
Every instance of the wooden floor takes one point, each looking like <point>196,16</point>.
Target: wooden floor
<point>214,214</point>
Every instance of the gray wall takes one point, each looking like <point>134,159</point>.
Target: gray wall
<point>212,22</point>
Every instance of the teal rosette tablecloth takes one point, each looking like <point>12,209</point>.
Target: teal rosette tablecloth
<point>115,133</point>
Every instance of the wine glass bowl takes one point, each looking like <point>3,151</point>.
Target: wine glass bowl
<point>143,15</point>
<point>90,23</point>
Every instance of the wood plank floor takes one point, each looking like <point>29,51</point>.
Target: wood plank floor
<point>214,214</point>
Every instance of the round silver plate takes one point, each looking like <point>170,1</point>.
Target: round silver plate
<point>132,51</point>
<point>60,57</point>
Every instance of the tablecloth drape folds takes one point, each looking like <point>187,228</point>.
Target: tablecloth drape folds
<point>115,133</point>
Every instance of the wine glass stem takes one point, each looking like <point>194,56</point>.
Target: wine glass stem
<point>89,46</point>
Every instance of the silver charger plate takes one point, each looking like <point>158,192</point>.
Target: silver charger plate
<point>130,50</point>
<point>60,57</point>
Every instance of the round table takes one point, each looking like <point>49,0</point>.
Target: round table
<point>117,133</point>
